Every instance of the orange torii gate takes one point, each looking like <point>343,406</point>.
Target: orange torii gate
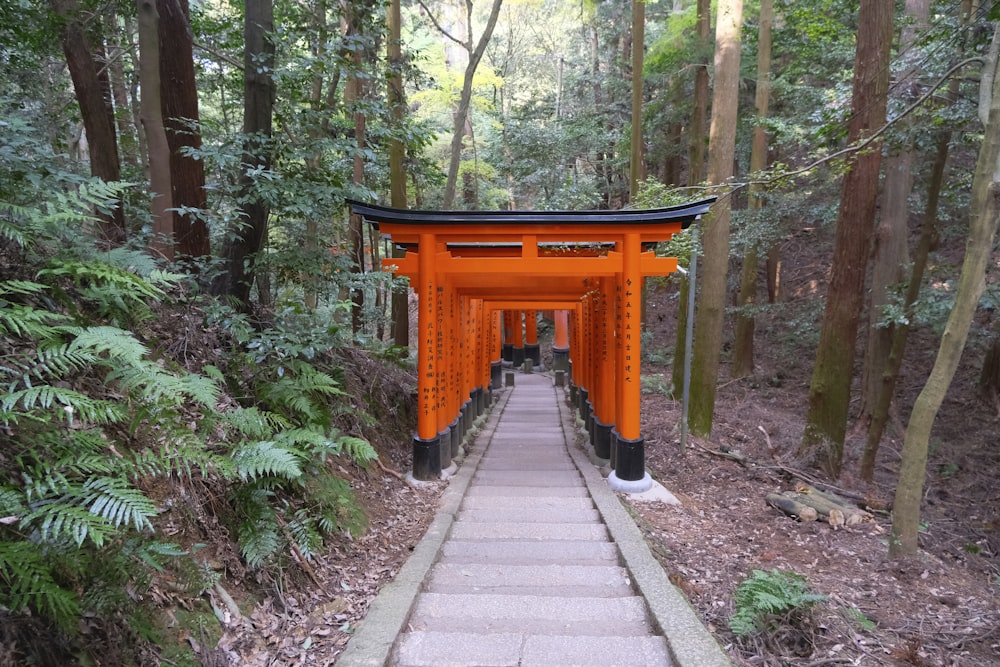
<point>471,268</point>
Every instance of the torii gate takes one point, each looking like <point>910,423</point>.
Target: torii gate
<point>468,267</point>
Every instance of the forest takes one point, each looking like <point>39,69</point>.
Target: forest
<point>208,388</point>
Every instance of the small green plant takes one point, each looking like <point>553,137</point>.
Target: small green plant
<point>766,600</point>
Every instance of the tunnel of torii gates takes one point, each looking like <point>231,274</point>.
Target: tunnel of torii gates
<point>474,270</point>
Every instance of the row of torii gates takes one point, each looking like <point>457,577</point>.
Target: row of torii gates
<point>476,273</point>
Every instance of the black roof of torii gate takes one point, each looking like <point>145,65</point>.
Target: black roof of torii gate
<point>684,213</point>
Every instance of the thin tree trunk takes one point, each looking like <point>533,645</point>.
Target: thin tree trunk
<point>91,84</point>
<point>830,388</point>
<point>397,164</point>
<point>162,242</point>
<point>356,236</point>
<point>745,321</point>
<point>901,332</point>
<point>465,99</point>
<point>889,252</point>
<point>983,216</point>
<point>721,153</point>
<point>636,167</point>
<point>179,104</point>
<point>699,114</point>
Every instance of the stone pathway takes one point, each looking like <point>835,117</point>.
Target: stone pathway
<point>527,571</point>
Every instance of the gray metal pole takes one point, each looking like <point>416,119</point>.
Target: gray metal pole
<point>689,338</point>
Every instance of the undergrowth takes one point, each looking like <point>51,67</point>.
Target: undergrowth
<point>100,427</point>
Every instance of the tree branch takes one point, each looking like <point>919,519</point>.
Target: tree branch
<point>439,27</point>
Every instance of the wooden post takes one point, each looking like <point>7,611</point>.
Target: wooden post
<point>426,443</point>
<point>560,341</point>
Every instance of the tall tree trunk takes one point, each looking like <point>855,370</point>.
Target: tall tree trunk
<point>179,104</point>
<point>889,253</point>
<point>248,235</point>
<point>984,214</point>
<point>465,99</point>
<point>162,242</point>
<point>699,114</point>
<point>91,84</point>
<point>310,278</point>
<point>397,164</point>
<point>721,153</point>
<point>900,334</point>
<point>352,102</point>
<point>745,321</point>
<point>830,388</point>
<point>636,171</point>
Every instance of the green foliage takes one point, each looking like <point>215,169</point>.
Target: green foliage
<point>765,600</point>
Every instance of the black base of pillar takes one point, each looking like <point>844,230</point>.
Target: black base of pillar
<point>456,437</point>
<point>468,414</point>
<point>573,391</point>
<point>517,357</point>
<point>506,352</point>
<point>602,439</point>
<point>630,462</point>
<point>533,352</point>
<point>496,374</point>
<point>427,458</point>
<point>582,398</point>
<point>479,400</point>
<point>445,437</point>
<point>560,359</point>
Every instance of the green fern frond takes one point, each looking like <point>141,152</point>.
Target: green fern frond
<point>117,344</point>
<point>12,502</point>
<point>28,322</point>
<point>91,511</point>
<point>118,502</point>
<point>57,521</point>
<point>152,384</point>
<point>28,581</point>
<point>96,272</point>
<point>764,595</point>
<point>304,531</point>
<point>22,403</point>
<point>258,459</point>
<point>255,423</point>
<point>358,449</point>
<point>183,458</point>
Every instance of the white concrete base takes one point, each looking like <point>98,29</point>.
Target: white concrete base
<point>630,486</point>
<point>656,494</point>
<point>449,471</point>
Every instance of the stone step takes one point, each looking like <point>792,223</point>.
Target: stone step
<point>522,478</point>
<point>470,530</point>
<point>530,552</point>
<point>530,515</point>
<point>531,614</point>
<point>437,649</point>
<point>541,580</point>
<point>485,490</point>
<point>493,501</point>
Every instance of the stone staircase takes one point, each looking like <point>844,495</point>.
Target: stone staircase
<point>528,574</point>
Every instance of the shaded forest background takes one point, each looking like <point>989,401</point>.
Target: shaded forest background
<point>197,351</point>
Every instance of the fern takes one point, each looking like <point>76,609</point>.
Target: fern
<point>92,511</point>
<point>257,459</point>
<point>28,581</point>
<point>766,596</point>
<point>358,449</point>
